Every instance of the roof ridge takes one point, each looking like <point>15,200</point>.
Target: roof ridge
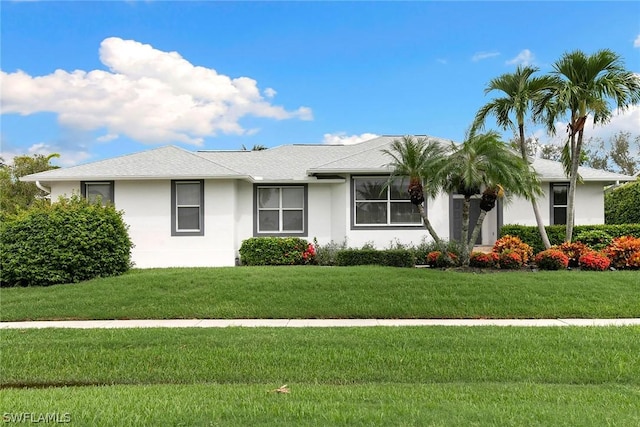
<point>195,154</point>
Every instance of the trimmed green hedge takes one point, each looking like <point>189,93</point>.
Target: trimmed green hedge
<point>273,251</point>
<point>622,205</point>
<point>388,257</point>
<point>556,233</point>
<point>65,242</point>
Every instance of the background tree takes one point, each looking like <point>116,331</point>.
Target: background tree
<point>595,155</point>
<point>483,164</point>
<point>550,152</point>
<point>620,153</point>
<point>584,85</point>
<point>521,92</point>
<point>15,194</point>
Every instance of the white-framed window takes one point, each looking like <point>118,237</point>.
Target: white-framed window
<point>98,190</point>
<point>281,210</point>
<point>559,200</point>
<point>187,208</point>
<point>377,205</point>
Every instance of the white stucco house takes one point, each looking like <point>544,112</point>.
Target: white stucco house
<point>195,208</point>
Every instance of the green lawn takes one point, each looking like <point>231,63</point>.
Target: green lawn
<point>440,376</point>
<point>330,292</point>
<point>382,376</point>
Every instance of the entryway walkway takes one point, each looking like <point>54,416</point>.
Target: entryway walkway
<point>309,323</point>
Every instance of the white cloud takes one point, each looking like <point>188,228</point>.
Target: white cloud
<point>68,157</point>
<point>484,55</point>
<point>525,57</point>
<point>269,92</point>
<point>636,42</point>
<point>344,139</point>
<point>148,95</point>
<point>108,137</point>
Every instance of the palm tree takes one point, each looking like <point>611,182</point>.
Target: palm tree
<point>421,160</point>
<point>520,92</point>
<point>484,163</point>
<point>584,85</point>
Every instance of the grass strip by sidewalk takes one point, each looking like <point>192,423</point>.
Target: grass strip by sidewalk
<point>461,404</point>
<point>330,292</point>
<point>484,376</point>
<point>412,355</point>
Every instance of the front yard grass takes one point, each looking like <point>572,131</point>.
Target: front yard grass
<point>445,376</point>
<point>330,292</point>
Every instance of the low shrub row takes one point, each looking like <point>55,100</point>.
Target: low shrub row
<point>386,257</point>
<point>509,252</point>
<point>595,236</point>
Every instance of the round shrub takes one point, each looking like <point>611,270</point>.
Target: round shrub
<point>513,244</point>
<point>552,259</point>
<point>621,250</point>
<point>573,250</point>
<point>510,260</point>
<point>438,260</point>
<point>595,261</point>
<point>64,242</point>
<point>483,260</point>
<point>276,251</point>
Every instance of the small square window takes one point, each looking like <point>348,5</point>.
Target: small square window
<point>187,208</point>
<point>99,190</point>
<point>280,210</point>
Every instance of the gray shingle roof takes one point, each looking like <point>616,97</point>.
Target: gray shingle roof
<point>164,162</point>
<point>284,163</point>
<point>550,170</point>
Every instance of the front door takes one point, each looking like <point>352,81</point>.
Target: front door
<point>474,213</point>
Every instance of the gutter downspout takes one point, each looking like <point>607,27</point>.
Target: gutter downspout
<point>45,189</point>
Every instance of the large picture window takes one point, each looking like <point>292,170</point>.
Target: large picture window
<point>281,210</point>
<point>187,208</point>
<point>375,204</point>
<point>559,197</point>
<point>98,190</point>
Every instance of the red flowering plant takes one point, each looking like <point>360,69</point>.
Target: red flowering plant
<point>484,260</point>
<point>573,250</point>
<point>309,254</point>
<point>595,261</point>
<point>634,260</point>
<point>552,259</point>
<point>510,260</point>
<point>621,250</point>
<point>436,259</point>
<point>514,244</point>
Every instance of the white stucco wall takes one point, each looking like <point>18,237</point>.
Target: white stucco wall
<point>589,205</point>
<point>229,219</point>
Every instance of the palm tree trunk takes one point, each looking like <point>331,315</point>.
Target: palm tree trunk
<point>543,231</point>
<point>474,236</point>
<point>576,150</point>
<point>431,230</point>
<point>534,205</point>
<point>465,228</point>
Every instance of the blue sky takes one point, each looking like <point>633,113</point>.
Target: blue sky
<point>92,80</point>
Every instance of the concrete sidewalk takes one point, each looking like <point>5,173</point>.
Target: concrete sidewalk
<point>310,323</point>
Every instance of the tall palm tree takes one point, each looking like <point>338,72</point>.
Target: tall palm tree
<point>483,163</point>
<point>422,161</point>
<point>584,85</point>
<point>520,92</point>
